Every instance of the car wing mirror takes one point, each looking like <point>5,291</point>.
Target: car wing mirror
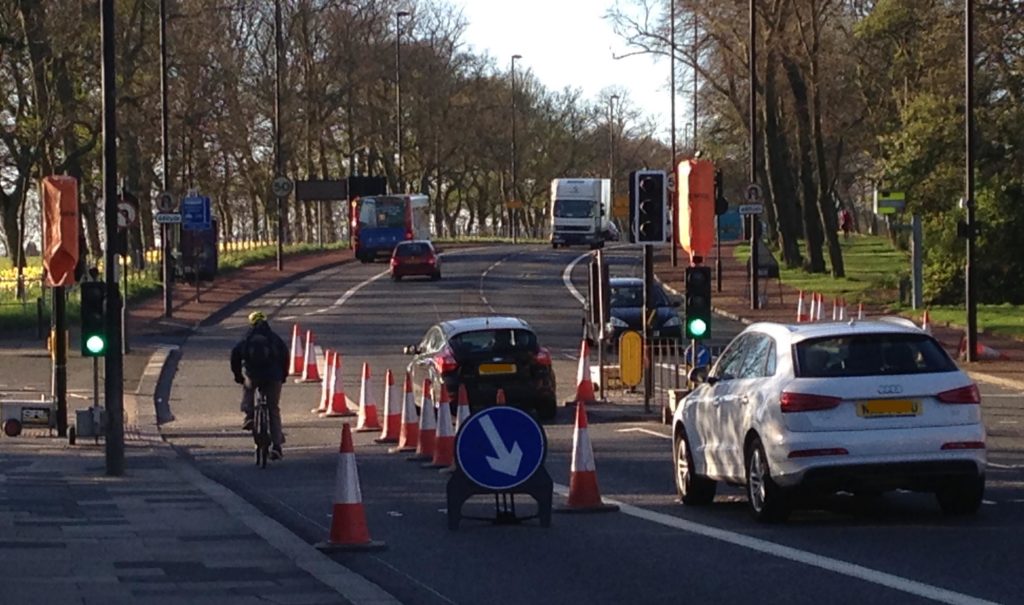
<point>699,375</point>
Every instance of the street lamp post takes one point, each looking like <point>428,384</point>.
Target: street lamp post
<point>754,219</point>
<point>165,254</point>
<point>512,209</point>
<point>278,169</point>
<point>672,70</point>
<point>969,206</point>
<point>398,98</point>
<point>611,141</point>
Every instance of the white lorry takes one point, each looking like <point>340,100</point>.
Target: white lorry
<point>581,212</point>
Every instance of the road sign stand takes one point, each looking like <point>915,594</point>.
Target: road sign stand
<point>539,486</point>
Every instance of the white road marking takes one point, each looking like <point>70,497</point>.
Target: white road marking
<point>844,568</point>
<point>480,287</point>
<point>352,291</point>
<point>567,278</point>
<point>646,432</point>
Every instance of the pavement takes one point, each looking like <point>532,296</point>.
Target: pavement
<point>162,532</point>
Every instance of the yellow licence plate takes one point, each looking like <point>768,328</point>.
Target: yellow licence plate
<point>888,407</point>
<point>497,368</point>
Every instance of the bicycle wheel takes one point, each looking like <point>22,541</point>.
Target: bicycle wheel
<point>261,432</point>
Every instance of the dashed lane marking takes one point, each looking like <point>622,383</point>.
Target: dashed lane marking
<point>646,432</point>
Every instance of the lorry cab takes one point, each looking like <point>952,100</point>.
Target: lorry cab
<point>580,212</point>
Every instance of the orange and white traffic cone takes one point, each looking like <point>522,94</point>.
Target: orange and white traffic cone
<point>338,405</point>
<point>926,322</point>
<point>584,385</point>
<point>428,425</point>
<point>814,307</point>
<point>584,495</point>
<point>409,434</point>
<point>462,408</point>
<point>860,310</point>
<point>348,518</point>
<point>802,316</point>
<point>842,309</point>
<point>821,308</point>
<point>325,386</point>
<point>392,413</point>
<point>310,371</point>
<point>297,352</point>
<point>835,308</point>
<point>368,420</point>
<point>444,444</point>
<point>499,398</point>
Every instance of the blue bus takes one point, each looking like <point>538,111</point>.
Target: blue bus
<point>379,222</point>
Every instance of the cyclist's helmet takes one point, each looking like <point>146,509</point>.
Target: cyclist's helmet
<point>257,317</point>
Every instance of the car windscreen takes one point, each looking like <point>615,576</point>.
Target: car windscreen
<point>870,355</point>
<point>493,340</point>
<point>633,296</point>
<point>574,208</point>
<point>412,250</point>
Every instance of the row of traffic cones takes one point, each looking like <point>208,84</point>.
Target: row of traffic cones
<point>432,439</point>
<point>815,311</point>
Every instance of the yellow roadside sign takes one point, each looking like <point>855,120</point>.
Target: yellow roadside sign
<point>631,355</point>
<point>620,207</point>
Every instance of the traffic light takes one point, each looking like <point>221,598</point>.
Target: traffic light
<point>651,207</point>
<point>721,204</point>
<point>93,308</point>
<point>698,302</point>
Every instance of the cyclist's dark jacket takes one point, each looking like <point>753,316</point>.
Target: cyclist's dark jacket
<point>275,371</point>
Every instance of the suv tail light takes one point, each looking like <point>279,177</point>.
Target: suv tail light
<point>806,402</point>
<point>394,261</point>
<point>543,357</point>
<point>445,361</point>
<point>967,394</point>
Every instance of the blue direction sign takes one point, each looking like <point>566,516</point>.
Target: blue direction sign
<point>195,213</point>
<point>500,447</point>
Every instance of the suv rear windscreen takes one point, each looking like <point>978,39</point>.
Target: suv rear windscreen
<point>496,341</point>
<point>870,355</point>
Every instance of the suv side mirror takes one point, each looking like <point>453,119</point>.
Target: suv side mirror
<point>411,349</point>
<point>699,375</point>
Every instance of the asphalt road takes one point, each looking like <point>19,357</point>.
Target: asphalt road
<point>896,549</point>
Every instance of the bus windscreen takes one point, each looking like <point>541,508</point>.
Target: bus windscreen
<point>382,213</point>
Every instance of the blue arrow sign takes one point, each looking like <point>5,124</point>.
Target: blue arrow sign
<point>195,213</point>
<point>500,447</point>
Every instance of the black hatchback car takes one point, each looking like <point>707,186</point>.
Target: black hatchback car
<point>626,310</point>
<point>486,354</point>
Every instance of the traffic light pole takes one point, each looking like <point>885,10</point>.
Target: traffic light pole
<point>59,342</point>
<point>114,360</point>
<point>648,308</point>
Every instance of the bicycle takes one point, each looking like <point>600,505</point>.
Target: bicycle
<point>261,428</point>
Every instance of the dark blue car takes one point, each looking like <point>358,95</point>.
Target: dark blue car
<point>626,310</point>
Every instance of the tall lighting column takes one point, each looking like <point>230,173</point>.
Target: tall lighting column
<point>672,170</point>
<point>278,168</point>
<point>398,98</point>
<point>969,273</point>
<point>512,209</point>
<point>165,230</point>
<point>755,221</point>
<point>611,141</point>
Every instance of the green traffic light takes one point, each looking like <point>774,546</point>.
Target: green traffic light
<point>95,344</point>
<point>697,328</point>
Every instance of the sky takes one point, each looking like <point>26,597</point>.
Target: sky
<point>569,43</point>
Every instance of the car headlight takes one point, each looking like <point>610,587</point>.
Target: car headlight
<point>615,322</point>
<point>672,322</point>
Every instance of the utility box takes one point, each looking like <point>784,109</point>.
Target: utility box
<point>90,422</point>
<point>18,414</point>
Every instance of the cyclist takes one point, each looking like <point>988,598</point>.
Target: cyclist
<point>260,361</point>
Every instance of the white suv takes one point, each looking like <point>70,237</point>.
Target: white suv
<point>863,407</point>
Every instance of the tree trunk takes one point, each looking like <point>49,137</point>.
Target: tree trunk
<point>825,207</point>
<point>812,222</point>
<point>776,163</point>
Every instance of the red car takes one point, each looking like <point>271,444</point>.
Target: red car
<point>415,257</point>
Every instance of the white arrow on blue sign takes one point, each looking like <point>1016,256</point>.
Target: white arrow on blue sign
<point>500,447</point>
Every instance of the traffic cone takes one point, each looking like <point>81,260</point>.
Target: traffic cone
<point>926,322</point>
<point>392,413</point>
<point>462,410</point>
<point>338,405</point>
<point>444,444</point>
<point>842,309</point>
<point>801,315</point>
<point>297,352</point>
<point>428,425</point>
<point>814,306</point>
<point>348,518</point>
<point>835,308</point>
<point>860,310</point>
<point>368,420</point>
<point>983,351</point>
<point>499,399</point>
<point>311,371</point>
<point>325,387</point>
<point>408,437</point>
<point>584,386</point>
<point>821,308</point>
<point>583,493</point>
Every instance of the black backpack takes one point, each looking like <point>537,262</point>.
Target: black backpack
<point>259,358</point>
